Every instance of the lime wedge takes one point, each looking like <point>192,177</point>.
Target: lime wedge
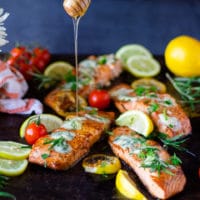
<point>125,52</point>
<point>50,121</point>
<point>58,69</point>
<point>101,164</point>
<point>127,187</point>
<point>137,121</point>
<point>141,66</point>
<point>13,150</point>
<point>12,167</point>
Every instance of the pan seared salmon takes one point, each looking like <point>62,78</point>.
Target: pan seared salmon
<point>65,146</point>
<point>94,72</point>
<point>158,171</point>
<point>163,109</point>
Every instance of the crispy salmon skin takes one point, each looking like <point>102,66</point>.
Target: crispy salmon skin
<point>66,145</point>
<point>166,113</point>
<point>163,181</point>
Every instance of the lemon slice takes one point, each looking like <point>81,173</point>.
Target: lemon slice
<point>125,52</point>
<point>127,187</point>
<point>50,121</point>
<point>13,150</point>
<point>141,66</point>
<point>149,83</point>
<point>12,167</point>
<point>137,121</point>
<point>101,164</point>
<point>58,69</point>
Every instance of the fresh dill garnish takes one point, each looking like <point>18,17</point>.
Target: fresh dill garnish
<point>175,160</point>
<point>148,154</point>
<point>144,90</point>
<point>45,156</point>
<point>59,141</point>
<point>102,60</point>
<point>153,107</point>
<point>109,133</point>
<point>3,182</point>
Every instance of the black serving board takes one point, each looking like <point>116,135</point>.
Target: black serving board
<point>39,183</point>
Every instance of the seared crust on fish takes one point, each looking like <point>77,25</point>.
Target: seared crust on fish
<point>65,146</point>
<point>163,185</point>
<point>163,109</point>
<point>94,72</point>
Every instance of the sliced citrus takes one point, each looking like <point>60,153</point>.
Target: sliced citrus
<point>149,83</point>
<point>127,187</point>
<point>101,164</point>
<point>50,121</point>
<point>12,167</point>
<point>137,121</point>
<point>13,150</point>
<point>126,51</point>
<point>58,69</point>
<point>142,66</point>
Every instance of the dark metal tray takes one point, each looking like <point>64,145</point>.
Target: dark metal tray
<point>38,183</point>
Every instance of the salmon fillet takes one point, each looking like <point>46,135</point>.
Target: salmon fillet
<point>94,72</point>
<point>65,146</point>
<point>163,185</point>
<point>166,113</point>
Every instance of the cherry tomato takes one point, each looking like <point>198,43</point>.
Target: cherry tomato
<point>17,51</point>
<point>34,131</point>
<point>99,99</point>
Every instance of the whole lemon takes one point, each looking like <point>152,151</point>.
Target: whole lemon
<point>182,56</point>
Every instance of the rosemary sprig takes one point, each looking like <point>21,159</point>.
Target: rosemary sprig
<point>174,142</point>
<point>188,88</point>
<point>3,182</point>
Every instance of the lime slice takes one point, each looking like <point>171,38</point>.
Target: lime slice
<point>13,150</point>
<point>125,52</point>
<point>137,121</point>
<point>101,164</point>
<point>50,121</point>
<point>127,187</point>
<point>141,66</point>
<point>58,69</point>
<point>12,167</point>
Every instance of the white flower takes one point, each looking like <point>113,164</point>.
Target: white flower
<point>3,17</point>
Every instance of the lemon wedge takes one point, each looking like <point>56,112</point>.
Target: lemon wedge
<point>101,164</point>
<point>142,66</point>
<point>12,167</point>
<point>13,150</point>
<point>127,187</point>
<point>50,121</point>
<point>137,121</point>
<point>126,51</point>
<point>58,69</point>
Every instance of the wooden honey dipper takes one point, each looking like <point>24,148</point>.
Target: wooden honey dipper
<point>76,8</point>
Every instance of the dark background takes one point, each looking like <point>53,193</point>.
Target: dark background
<point>107,25</point>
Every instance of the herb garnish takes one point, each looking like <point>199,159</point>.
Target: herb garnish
<point>174,142</point>
<point>3,182</point>
<point>148,154</point>
<point>188,88</point>
<point>153,107</point>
